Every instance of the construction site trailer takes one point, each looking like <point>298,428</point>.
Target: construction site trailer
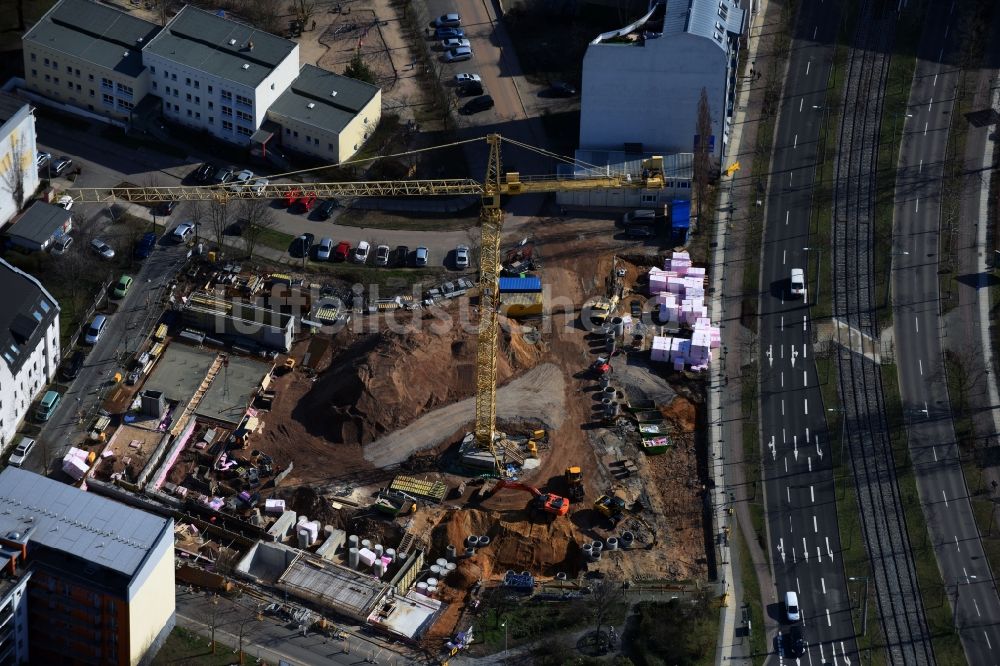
<point>517,305</point>
<point>512,285</point>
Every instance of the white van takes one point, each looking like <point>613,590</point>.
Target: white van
<point>798,282</point>
<point>792,606</point>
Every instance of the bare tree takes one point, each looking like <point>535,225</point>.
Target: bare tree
<point>12,170</point>
<point>257,217</point>
<point>303,10</point>
<point>264,14</point>
<point>605,594</point>
<point>216,215</point>
<point>702,155</point>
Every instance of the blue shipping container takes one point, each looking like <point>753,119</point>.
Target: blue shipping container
<point>520,284</point>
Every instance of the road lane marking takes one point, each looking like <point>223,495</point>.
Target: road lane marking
<point>929,104</point>
<point>946,29</point>
<point>786,472</point>
<point>805,351</point>
<point>812,494</point>
<point>819,451</point>
<point>798,587</point>
<point>795,446</point>
<point>781,549</point>
<point>805,548</point>
<point>945,497</point>
<point>809,461</point>
<point>784,257</point>
<point>784,437</point>
<point>795,142</point>
<point>805,382</point>
<point>815,28</point>
<point>782,324</point>
<point>976,604</point>
<point>933,83</point>
<point>956,544</point>
<point>917,210</point>
<point>807,434</point>
<point>829,622</point>
<point>782,379</point>
<point>934,451</point>
<point>925,128</point>
<point>916,324</point>
<point>844,651</point>
<point>822,582</point>
<point>987,637</point>
<point>791,528</point>
<point>815,525</point>
<point>921,167</point>
<point>788,489</point>
<point>829,551</point>
<point>782,407</point>
<point>965,573</point>
<point>805,322</point>
<point>787,213</point>
<point>807,67</point>
<point>921,364</point>
<point>803,99</point>
<point>781,351</point>
<point>805,403</point>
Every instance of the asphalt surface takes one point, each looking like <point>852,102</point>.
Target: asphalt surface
<point>917,331</point>
<point>801,509</point>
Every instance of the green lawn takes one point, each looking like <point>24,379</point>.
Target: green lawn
<point>277,240</point>
<point>377,219</point>
<point>751,597</point>
<point>186,647</point>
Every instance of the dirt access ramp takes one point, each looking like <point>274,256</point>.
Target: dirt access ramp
<point>538,394</point>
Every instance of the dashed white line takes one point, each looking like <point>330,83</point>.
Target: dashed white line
<point>805,382</point>
<point>798,587</point>
<point>933,83</point>
<point>987,637</point>
<point>805,353</point>
<point>787,213</point>
<point>805,548</point>
<point>976,604</point>
<point>920,167</point>
<point>815,525</point>
<point>805,322</point>
<point>819,554</point>
<point>925,128</point>
<point>829,623</point>
<point>782,379</point>
<point>795,142</point>
<point>921,364</point>
<point>946,29</point>
<point>823,583</point>
<point>788,492</point>
<point>803,99</point>
<point>782,407</point>
<point>930,104</point>
<point>934,451</point>
<point>815,28</point>
<point>829,551</point>
<point>812,494</point>
<point>917,210</point>
<point>916,324</point>
<point>782,327</point>
<point>805,403</point>
<point>945,497</point>
<point>956,544</point>
<point>807,67</point>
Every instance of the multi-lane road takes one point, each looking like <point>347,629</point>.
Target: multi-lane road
<point>797,461</point>
<point>917,333</point>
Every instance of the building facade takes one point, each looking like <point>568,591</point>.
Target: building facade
<point>29,346</point>
<point>218,75</point>
<point>642,83</point>
<point>99,575</point>
<point>18,152</point>
<point>326,115</point>
<point>88,55</point>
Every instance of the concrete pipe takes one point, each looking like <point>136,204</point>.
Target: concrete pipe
<point>626,540</point>
<point>561,575</point>
<point>353,541</point>
<point>612,543</point>
<point>597,556</point>
<point>470,551</point>
<point>597,546</point>
<point>588,549</point>
<point>605,381</point>
<point>618,325</point>
<point>366,543</point>
<point>452,552</point>
<point>472,540</point>
<point>441,561</point>
<point>379,550</point>
<point>352,558</point>
<point>609,392</point>
<point>484,541</point>
<point>391,553</point>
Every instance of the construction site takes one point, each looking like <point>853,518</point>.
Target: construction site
<point>364,468</point>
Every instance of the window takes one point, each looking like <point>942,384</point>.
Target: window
<point>33,57</point>
<point>227,111</point>
<point>189,97</point>
<point>55,79</point>
<point>46,62</point>
<point>226,95</point>
<point>308,139</point>
<point>197,116</point>
<point>152,70</point>
<point>173,77</point>
<point>197,100</point>
<point>211,105</point>
<point>90,77</point>
<point>55,65</point>
<point>91,92</point>
<point>69,70</point>
<point>154,85</point>
<point>295,134</point>
<point>245,101</point>
<point>287,131</point>
<point>244,131</point>
<point>175,92</point>
<point>649,198</point>
<point>48,78</point>
<point>329,146</point>
<point>107,84</point>
<point>197,84</point>
<point>34,72</point>
<point>226,125</point>
<point>189,113</point>
<point>77,72</point>
<point>316,141</point>
<point>243,115</point>
<point>69,84</point>
<point>124,90</point>
<point>109,100</point>
<point>166,75</point>
<point>187,81</point>
<point>210,89</point>
<point>211,120</point>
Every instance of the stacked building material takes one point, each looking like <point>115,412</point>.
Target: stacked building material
<point>680,294</point>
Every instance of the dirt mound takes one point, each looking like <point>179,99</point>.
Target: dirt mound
<point>681,413</point>
<point>382,382</point>
<point>544,547</point>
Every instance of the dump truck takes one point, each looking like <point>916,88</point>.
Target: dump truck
<point>574,481</point>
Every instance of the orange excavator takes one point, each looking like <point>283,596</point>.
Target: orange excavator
<point>547,502</point>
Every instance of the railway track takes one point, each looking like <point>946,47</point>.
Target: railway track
<point>866,432</point>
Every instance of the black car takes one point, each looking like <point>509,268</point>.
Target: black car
<point>470,88</point>
<point>145,246</point>
<point>400,255</point>
<point>164,208</point>
<point>73,366</point>
<point>61,164</point>
<point>325,209</point>
<point>477,104</point>
<point>562,89</point>
<point>223,175</point>
<point>796,641</point>
<point>302,245</point>
<point>204,172</point>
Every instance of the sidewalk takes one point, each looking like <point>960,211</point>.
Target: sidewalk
<point>725,388</point>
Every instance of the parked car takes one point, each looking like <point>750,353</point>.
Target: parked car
<point>462,257</point>
<point>223,175</point>
<point>458,54</point>
<point>325,249</point>
<point>306,202</point>
<point>204,172</point>
<point>302,245</point>
<point>21,452</point>
<point>71,368</point>
<point>477,104</point>
<point>341,251</point>
<point>165,208</point>
<point>43,158</point>
<point>183,232</point>
<point>562,89</point>
<point>121,289</point>
<point>400,256</point>
<point>65,201</point>
<point>451,20</point>
<point>144,247</point>
<point>96,330</point>
<point>448,33</point>
<point>455,43</point>
<point>47,405</point>
<point>470,89</point>
<point>382,255</point>
<point>291,196</point>
<point>421,256</point>
<point>465,78</point>
<point>325,209</point>
<point>62,245</point>
<point>240,180</point>
<point>258,185</point>
<point>361,252</point>
<point>102,248</point>
<point>60,165</point>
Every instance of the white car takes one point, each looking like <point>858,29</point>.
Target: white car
<point>102,248</point>
<point>462,257</point>
<point>258,185</point>
<point>382,255</point>
<point>242,179</point>
<point>792,606</point>
<point>451,20</point>
<point>62,245</point>
<point>455,43</point>
<point>458,54</point>
<point>798,282</point>
<point>22,452</point>
<point>464,79</point>
<point>324,249</point>
<point>65,201</point>
<point>182,232</point>
<point>361,252</point>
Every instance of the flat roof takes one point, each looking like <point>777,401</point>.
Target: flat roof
<point>179,373</point>
<point>675,165</point>
<point>10,106</point>
<point>96,33</point>
<point>408,616</point>
<point>323,99</point>
<point>81,524</point>
<point>220,46</point>
<point>351,592</point>
<point>230,392</point>
<point>39,223</point>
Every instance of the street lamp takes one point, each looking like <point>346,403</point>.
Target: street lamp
<point>504,625</point>
<point>864,609</point>
<point>819,262</point>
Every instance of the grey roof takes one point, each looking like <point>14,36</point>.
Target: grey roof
<point>201,40</point>
<point>10,106</point>
<point>23,317</point>
<point>77,523</point>
<point>704,18</point>
<point>329,111</point>
<point>39,223</point>
<point>96,33</point>
<point>675,165</point>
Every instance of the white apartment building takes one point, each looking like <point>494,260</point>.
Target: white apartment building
<point>29,346</point>
<point>218,75</point>
<point>18,173</point>
<point>88,55</point>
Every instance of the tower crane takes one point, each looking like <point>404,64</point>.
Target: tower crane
<point>495,185</point>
